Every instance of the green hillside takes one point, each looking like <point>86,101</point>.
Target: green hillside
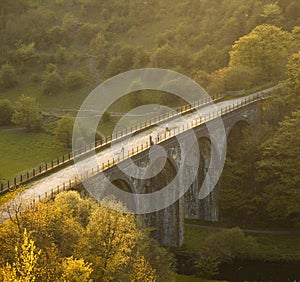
<point>58,51</point>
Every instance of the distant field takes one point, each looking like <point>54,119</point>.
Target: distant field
<point>63,100</point>
<point>20,150</point>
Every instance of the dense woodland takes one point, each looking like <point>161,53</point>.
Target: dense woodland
<point>53,53</point>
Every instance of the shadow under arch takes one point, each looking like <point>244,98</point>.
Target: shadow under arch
<point>123,183</point>
<point>167,223</point>
<point>165,176</point>
<point>204,209</point>
<point>234,136</point>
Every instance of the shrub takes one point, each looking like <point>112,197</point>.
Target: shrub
<point>53,83</point>
<point>27,113</point>
<point>8,76</point>
<point>35,78</point>
<point>223,247</point>
<point>64,129</point>
<point>61,55</point>
<point>6,112</point>
<point>74,80</point>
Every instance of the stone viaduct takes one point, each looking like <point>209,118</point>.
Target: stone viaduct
<point>168,224</point>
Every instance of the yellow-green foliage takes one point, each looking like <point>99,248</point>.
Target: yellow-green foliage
<point>73,238</point>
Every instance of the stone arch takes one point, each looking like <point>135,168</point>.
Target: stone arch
<point>163,178</point>
<point>205,148</point>
<point>123,183</point>
<point>204,209</point>
<point>234,134</point>
<point>167,223</point>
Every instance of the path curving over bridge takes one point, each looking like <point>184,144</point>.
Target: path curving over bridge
<point>169,222</point>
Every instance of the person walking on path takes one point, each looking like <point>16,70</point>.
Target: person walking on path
<point>150,140</point>
<point>157,137</point>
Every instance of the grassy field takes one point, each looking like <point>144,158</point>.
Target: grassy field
<point>21,150</point>
<point>271,247</point>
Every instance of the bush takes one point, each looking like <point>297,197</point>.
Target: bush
<point>206,266</point>
<point>8,77</point>
<point>53,83</point>
<point>231,244</point>
<point>6,112</point>
<point>74,80</point>
<point>64,130</point>
<point>35,78</point>
<point>27,113</point>
<point>61,55</point>
<point>223,247</point>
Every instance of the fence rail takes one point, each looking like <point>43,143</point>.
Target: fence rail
<point>144,146</point>
<point>68,158</point>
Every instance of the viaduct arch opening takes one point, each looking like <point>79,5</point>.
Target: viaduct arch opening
<point>234,136</point>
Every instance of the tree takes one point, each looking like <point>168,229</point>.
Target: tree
<point>98,47</point>
<point>27,113</point>
<point>142,271</point>
<point>222,247</point>
<point>164,57</point>
<point>241,197</point>
<point>272,14</point>
<point>74,80</point>
<point>24,269</point>
<point>266,48</point>
<point>6,112</point>
<point>25,51</point>
<point>115,241</point>
<point>240,77</point>
<point>53,83</point>
<point>64,129</point>
<point>67,232</point>
<point>293,70</point>
<point>54,35</point>
<point>279,171</point>
<point>61,55</point>
<point>8,77</point>
<point>87,32</point>
<point>75,270</point>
